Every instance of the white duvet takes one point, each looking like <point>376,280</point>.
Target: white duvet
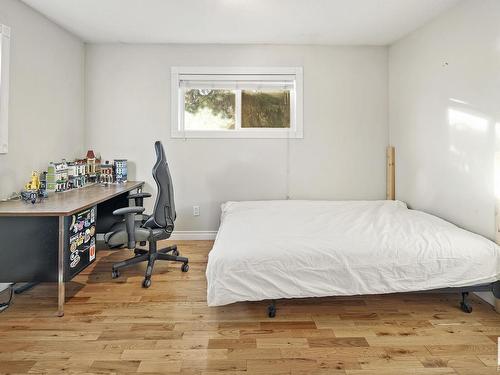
<point>293,249</point>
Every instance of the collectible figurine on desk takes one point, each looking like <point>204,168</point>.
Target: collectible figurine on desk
<point>57,176</point>
<point>106,175</point>
<point>36,188</point>
<point>63,176</point>
<point>121,170</point>
<point>93,167</point>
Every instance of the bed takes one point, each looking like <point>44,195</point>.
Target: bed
<point>268,250</point>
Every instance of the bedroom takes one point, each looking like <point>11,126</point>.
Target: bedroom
<point>420,76</point>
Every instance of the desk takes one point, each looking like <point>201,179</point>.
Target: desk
<point>42,242</point>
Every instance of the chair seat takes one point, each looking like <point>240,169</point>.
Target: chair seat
<point>118,236</point>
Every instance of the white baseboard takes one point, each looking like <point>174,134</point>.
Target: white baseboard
<point>193,235</point>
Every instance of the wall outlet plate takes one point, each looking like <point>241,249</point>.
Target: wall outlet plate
<point>196,210</point>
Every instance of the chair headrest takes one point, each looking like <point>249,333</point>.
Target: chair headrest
<point>160,152</point>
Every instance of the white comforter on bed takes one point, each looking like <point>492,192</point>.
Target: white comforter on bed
<point>293,249</point>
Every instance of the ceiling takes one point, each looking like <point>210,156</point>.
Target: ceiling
<point>338,22</point>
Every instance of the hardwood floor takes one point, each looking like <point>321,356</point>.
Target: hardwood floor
<point>116,326</point>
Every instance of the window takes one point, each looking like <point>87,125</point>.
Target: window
<point>236,102</point>
<point>4,88</point>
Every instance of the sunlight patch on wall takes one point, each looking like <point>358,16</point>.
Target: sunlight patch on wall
<point>461,120</point>
<point>497,175</point>
<point>458,101</point>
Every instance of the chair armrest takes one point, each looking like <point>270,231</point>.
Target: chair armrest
<point>128,210</point>
<point>138,195</point>
<point>129,213</point>
<point>139,198</point>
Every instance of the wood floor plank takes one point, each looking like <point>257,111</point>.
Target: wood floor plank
<point>291,342</point>
<point>116,326</point>
<point>337,341</point>
<point>10,367</point>
<point>115,366</point>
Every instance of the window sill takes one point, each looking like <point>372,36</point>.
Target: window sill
<point>241,134</point>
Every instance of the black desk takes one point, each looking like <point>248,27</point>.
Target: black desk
<point>52,241</point>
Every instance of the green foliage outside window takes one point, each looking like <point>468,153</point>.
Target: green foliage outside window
<point>265,109</point>
<point>220,102</point>
<point>260,109</point>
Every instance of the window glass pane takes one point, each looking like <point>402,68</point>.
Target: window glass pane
<point>265,109</point>
<point>206,109</point>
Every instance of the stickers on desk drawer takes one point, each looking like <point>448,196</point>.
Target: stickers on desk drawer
<point>92,250</point>
<point>83,220</point>
<point>87,236</point>
<point>75,259</point>
<point>82,242</point>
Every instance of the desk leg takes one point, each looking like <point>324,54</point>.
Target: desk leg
<point>60,268</point>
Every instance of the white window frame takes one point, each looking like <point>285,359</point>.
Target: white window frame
<point>296,101</point>
<point>4,88</point>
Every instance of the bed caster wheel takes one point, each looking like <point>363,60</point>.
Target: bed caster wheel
<point>185,267</point>
<point>271,311</point>
<point>146,283</point>
<point>175,253</point>
<point>115,274</point>
<point>466,308</point>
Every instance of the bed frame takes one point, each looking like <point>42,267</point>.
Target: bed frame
<point>465,290</point>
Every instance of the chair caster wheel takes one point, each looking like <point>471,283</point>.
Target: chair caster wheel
<point>146,283</point>
<point>271,311</point>
<point>185,267</point>
<point>465,307</point>
<point>115,274</point>
<point>175,253</point>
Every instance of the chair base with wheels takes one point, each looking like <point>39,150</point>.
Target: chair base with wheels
<point>151,256</point>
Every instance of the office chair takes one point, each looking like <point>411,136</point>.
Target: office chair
<point>150,228</point>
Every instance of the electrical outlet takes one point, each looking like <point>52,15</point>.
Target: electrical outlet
<point>196,210</point>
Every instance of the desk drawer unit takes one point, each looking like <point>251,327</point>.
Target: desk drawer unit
<point>28,246</point>
<point>28,249</point>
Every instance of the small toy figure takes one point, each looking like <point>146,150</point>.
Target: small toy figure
<point>57,176</point>
<point>120,170</point>
<point>93,167</point>
<point>106,175</point>
<point>75,179</point>
<point>34,189</point>
<point>34,184</point>
<point>80,165</point>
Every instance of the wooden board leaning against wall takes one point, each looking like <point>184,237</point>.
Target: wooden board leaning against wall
<point>391,173</point>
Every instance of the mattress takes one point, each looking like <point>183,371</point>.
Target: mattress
<point>294,249</point>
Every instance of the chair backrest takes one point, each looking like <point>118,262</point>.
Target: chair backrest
<point>164,210</point>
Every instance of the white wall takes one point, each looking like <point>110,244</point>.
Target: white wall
<point>46,95</point>
<point>342,155</point>
<point>445,164</point>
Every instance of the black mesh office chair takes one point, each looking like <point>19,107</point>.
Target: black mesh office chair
<point>152,228</point>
